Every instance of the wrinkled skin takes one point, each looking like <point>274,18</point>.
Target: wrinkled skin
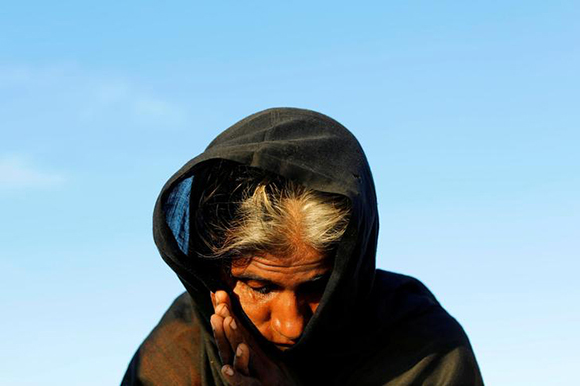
<point>279,295</point>
<point>244,363</point>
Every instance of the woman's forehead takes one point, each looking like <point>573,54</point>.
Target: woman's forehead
<point>296,263</point>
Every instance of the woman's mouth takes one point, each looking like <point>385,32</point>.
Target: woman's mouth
<point>283,346</point>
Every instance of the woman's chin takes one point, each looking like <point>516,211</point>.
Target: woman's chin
<point>283,347</point>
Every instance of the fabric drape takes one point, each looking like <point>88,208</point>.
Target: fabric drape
<point>372,327</point>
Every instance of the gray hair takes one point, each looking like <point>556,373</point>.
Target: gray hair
<point>266,214</point>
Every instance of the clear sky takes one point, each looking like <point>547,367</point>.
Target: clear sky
<point>468,111</point>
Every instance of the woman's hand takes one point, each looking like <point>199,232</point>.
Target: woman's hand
<point>244,363</point>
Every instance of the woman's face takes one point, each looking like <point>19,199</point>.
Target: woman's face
<point>280,294</point>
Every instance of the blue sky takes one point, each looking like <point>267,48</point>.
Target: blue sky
<point>468,113</point>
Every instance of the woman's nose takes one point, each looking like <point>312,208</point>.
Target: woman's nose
<point>289,317</point>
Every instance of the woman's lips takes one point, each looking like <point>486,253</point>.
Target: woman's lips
<point>283,346</point>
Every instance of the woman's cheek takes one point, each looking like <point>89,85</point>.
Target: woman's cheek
<point>255,306</point>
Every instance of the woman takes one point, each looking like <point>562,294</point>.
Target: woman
<point>273,232</point>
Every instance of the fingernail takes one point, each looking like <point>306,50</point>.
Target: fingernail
<point>223,310</point>
<point>239,351</point>
<point>233,324</point>
<point>227,370</point>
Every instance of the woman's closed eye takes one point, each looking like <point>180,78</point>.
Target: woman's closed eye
<point>260,287</point>
<point>314,288</point>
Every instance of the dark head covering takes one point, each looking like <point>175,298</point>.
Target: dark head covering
<point>371,327</point>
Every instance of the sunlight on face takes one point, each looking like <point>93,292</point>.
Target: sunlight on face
<point>280,294</point>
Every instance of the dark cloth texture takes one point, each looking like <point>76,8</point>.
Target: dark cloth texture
<point>372,327</point>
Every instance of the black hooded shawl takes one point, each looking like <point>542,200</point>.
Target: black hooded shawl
<point>372,327</point>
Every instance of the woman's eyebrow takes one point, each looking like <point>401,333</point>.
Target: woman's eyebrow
<point>316,279</point>
<point>322,276</point>
<point>249,276</point>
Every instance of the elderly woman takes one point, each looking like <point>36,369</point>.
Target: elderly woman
<point>273,232</point>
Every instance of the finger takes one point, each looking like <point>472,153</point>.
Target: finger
<point>222,297</point>
<point>222,310</point>
<point>233,333</point>
<point>235,378</point>
<point>236,334</point>
<point>213,301</point>
<point>223,345</point>
<point>223,304</point>
<point>242,359</point>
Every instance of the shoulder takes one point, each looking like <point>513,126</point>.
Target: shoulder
<point>405,303</point>
<point>169,354</point>
<point>178,322</point>
<point>423,344</point>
